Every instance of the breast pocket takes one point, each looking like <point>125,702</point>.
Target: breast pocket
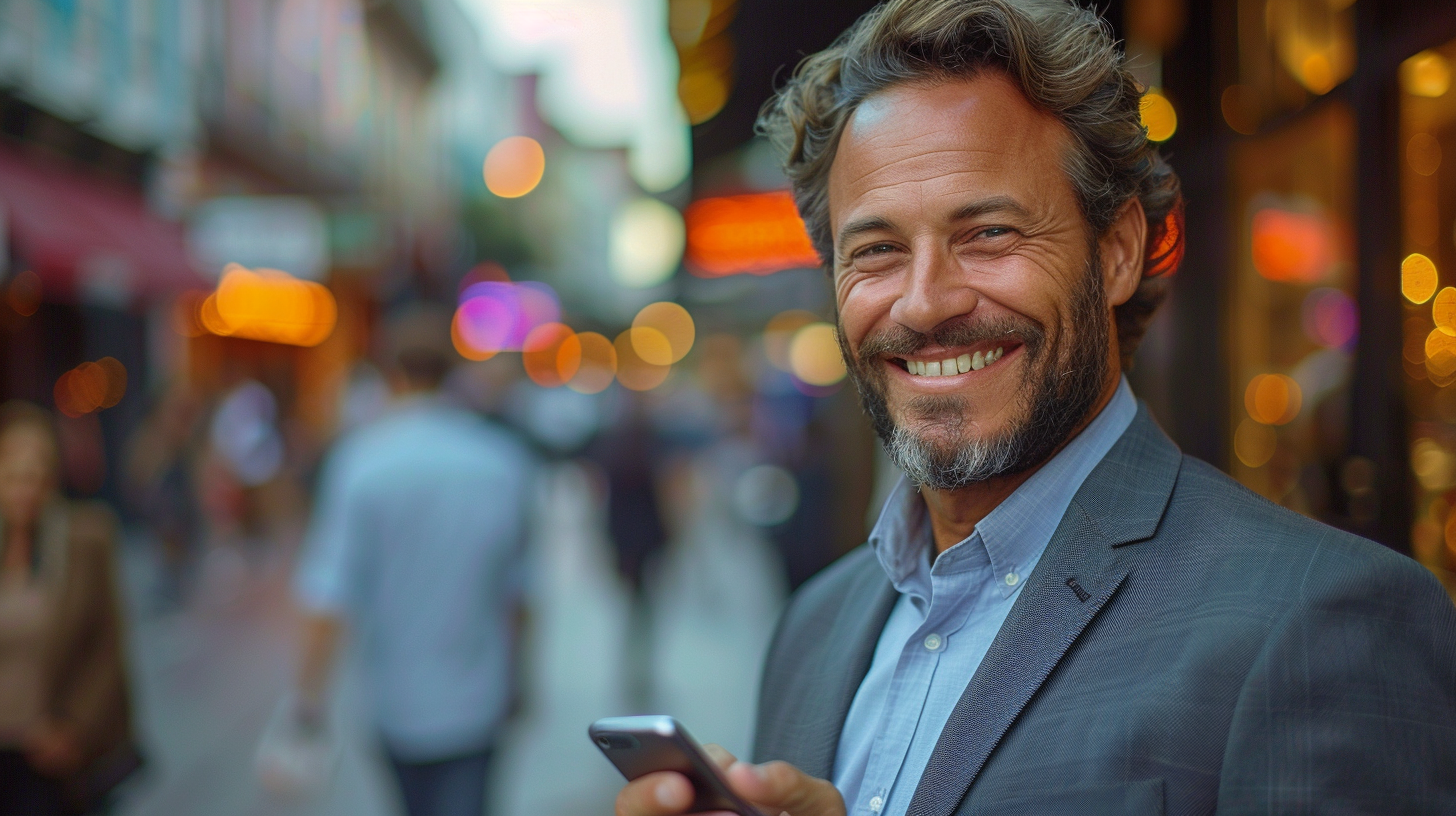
<point>1142,798</point>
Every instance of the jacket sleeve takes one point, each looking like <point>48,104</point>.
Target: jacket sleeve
<point>93,698</point>
<point>1351,706</point>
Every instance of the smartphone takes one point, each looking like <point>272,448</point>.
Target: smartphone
<point>642,745</point>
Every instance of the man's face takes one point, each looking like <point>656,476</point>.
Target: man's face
<point>958,239</point>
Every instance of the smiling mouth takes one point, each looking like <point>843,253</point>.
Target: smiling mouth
<point>950,366</point>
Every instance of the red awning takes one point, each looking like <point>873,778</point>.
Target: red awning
<point>88,238</point>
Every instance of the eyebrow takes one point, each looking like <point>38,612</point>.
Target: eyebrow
<point>985,206</point>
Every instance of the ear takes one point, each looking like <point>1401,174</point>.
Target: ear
<point>1123,249</point>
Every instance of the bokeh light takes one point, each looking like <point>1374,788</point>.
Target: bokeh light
<point>633,372</point>
<point>766,495</point>
<point>1423,153</point>
<point>551,355</point>
<point>1426,74</point>
<point>1158,116</point>
<point>90,386</point>
<point>514,166</point>
<point>269,305</point>
<point>1431,463</point>
<point>24,292</point>
<point>1440,354</point>
<point>671,321</point>
<point>651,345</point>
<point>1443,310</point>
<point>1330,317</point>
<point>1254,443</point>
<point>1292,247</point>
<point>756,234</point>
<point>1273,399</point>
<point>1418,278</point>
<point>1238,105</point>
<point>646,243</point>
<point>814,355</point>
<point>598,366</point>
<point>495,316</point>
<point>187,314</point>
<point>779,333</point>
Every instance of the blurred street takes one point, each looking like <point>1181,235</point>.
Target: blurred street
<point>209,677</point>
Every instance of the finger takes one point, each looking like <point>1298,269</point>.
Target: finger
<point>665,793</point>
<point>781,787</point>
<point>720,755</point>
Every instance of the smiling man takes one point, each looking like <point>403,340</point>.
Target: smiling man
<point>1057,612</point>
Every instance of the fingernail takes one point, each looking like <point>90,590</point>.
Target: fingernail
<point>664,794</point>
<point>756,771</point>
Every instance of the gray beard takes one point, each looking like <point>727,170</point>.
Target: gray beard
<point>1059,394</point>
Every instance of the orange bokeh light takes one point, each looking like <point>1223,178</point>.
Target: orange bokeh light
<point>90,387</point>
<point>1273,399</point>
<point>672,322</point>
<point>757,233</point>
<point>514,166</point>
<point>633,372</point>
<point>1418,278</point>
<point>598,364</point>
<point>269,305</point>
<point>1292,247</point>
<point>551,355</point>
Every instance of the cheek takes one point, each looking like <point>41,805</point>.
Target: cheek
<point>862,307</point>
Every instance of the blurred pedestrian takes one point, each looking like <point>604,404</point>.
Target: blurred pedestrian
<point>629,454</point>
<point>161,485</point>
<point>65,718</point>
<point>417,542</point>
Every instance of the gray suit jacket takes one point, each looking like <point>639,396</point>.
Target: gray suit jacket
<point>1183,647</point>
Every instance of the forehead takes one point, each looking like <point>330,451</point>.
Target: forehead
<point>951,139</point>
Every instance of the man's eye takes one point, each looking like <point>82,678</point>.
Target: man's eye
<point>994,232</point>
<point>876,249</point>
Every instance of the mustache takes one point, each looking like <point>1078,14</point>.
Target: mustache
<point>901,341</point>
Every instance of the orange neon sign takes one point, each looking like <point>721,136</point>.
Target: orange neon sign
<point>758,233</point>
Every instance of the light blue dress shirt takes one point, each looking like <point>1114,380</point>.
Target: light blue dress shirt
<point>947,615</point>
<point>417,538</point>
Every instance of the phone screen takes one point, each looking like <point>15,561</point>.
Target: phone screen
<point>642,745</point>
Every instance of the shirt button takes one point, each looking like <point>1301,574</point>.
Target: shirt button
<point>876,804</point>
<point>1012,579</point>
<point>933,642</point>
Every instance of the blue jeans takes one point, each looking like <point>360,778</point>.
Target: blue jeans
<point>447,787</point>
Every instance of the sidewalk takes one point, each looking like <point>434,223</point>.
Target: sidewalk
<point>208,678</point>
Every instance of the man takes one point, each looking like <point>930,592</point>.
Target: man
<point>1057,612</point>
<point>417,541</point>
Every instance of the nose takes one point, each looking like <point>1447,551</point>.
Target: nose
<point>935,290</point>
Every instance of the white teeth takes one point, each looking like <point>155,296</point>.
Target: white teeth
<point>998,352</point>
<point>963,363</point>
<point>978,361</point>
<point>954,365</point>
<point>948,367</point>
<point>932,369</point>
<point>913,367</point>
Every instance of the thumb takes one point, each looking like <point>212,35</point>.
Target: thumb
<point>781,788</point>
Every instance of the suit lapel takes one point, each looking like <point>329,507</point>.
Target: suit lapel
<point>852,639</point>
<point>1122,501</point>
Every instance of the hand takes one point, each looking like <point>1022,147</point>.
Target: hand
<point>53,750</point>
<point>777,788</point>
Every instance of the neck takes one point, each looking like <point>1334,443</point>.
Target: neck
<point>954,514</point>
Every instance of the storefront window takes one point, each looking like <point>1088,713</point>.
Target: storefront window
<point>1293,321</point>
<point>1428,192</point>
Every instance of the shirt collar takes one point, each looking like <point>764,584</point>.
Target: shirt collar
<point>1013,535</point>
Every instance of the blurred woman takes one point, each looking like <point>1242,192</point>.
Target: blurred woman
<point>65,721</point>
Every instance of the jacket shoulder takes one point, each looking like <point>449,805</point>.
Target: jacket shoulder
<point>1208,508</point>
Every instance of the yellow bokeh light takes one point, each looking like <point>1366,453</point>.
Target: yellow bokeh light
<point>651,345</point>
<point>1431,463</point>
<point>1158,116</point>
<point>633,372</point>
<point>1254,443</point>
<point>674,324</point>
<point>1316,73</point>
<point>646,243</point>
<point>1418,278</point>
<point>1423,153</point>
<point>703,94</point>
<point>814,355</point>
<point>1426,74</point>
<point>514,166</point>
<point>1443,310</point>
<point>780,332</point>
<point>1273,399</point>
<point>598,366</point>
<point>1440,354</point>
